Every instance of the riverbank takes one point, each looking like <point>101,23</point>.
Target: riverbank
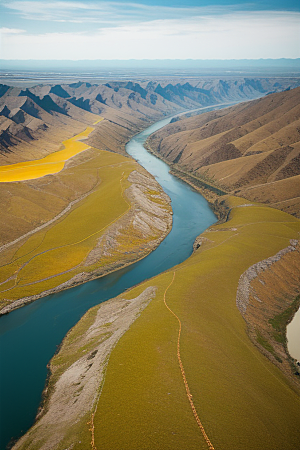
<point>50,318</point>
<point>272,342</point>
<point>221,365</point>
<point>213,194</point>
<point>64,253</point>
<point>72,283</point>
<point>80,277</point>
<point>250,150</point>
<point>78,371</point>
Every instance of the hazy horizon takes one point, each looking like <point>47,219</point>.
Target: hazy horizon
<point>149,29</point>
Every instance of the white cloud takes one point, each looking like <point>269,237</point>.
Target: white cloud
<point>103,12</point>
<point>11,31</point>
<point>230,36</point>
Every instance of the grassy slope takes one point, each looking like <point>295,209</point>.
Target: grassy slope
<point>72,232</point>
<point>65,244</point>
<point>243,401</point>
<point>241,398</point>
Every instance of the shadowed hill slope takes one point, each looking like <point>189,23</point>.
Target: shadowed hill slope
<point>251,150</point>
<point>26,115</point>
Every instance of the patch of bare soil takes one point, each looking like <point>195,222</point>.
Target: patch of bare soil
<point>74,393</point>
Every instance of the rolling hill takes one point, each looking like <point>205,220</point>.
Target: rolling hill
<point>251,150</point>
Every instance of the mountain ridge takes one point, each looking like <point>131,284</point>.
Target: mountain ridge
<point>143,102</point>
<point>247,149</point>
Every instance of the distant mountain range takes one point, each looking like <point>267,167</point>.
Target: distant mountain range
<point>29,114</point>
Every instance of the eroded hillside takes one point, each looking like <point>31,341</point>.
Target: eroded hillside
<point>251,150</point>
<point>30,118</point>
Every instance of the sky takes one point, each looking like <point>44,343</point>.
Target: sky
<point>149,29</point>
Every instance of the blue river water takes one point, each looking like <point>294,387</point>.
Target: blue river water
<point>30,336</point>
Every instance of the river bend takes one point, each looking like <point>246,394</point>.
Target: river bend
<point>30,336</point>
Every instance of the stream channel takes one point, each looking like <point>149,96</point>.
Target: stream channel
<point>30,336</point>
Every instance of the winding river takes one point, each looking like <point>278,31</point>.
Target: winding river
<point>30,336</point>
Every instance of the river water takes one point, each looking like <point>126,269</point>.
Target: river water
<point>30,336</point>
<point>293,336</point>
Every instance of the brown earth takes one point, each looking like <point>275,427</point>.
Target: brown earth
<point>251,150</point>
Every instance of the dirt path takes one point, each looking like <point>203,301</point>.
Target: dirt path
<point>188,392</point>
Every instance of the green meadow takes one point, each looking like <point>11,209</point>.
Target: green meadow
<point>243,401</point>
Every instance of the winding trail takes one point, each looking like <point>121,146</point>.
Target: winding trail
<point>92,430</point>
<point>188,392</point>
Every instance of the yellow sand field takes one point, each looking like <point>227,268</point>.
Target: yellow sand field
<point>99,120</point>
<point>51,164</point>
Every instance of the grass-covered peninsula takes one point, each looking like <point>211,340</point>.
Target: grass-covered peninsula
<point>121,215</point>
<point>140,396</point>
